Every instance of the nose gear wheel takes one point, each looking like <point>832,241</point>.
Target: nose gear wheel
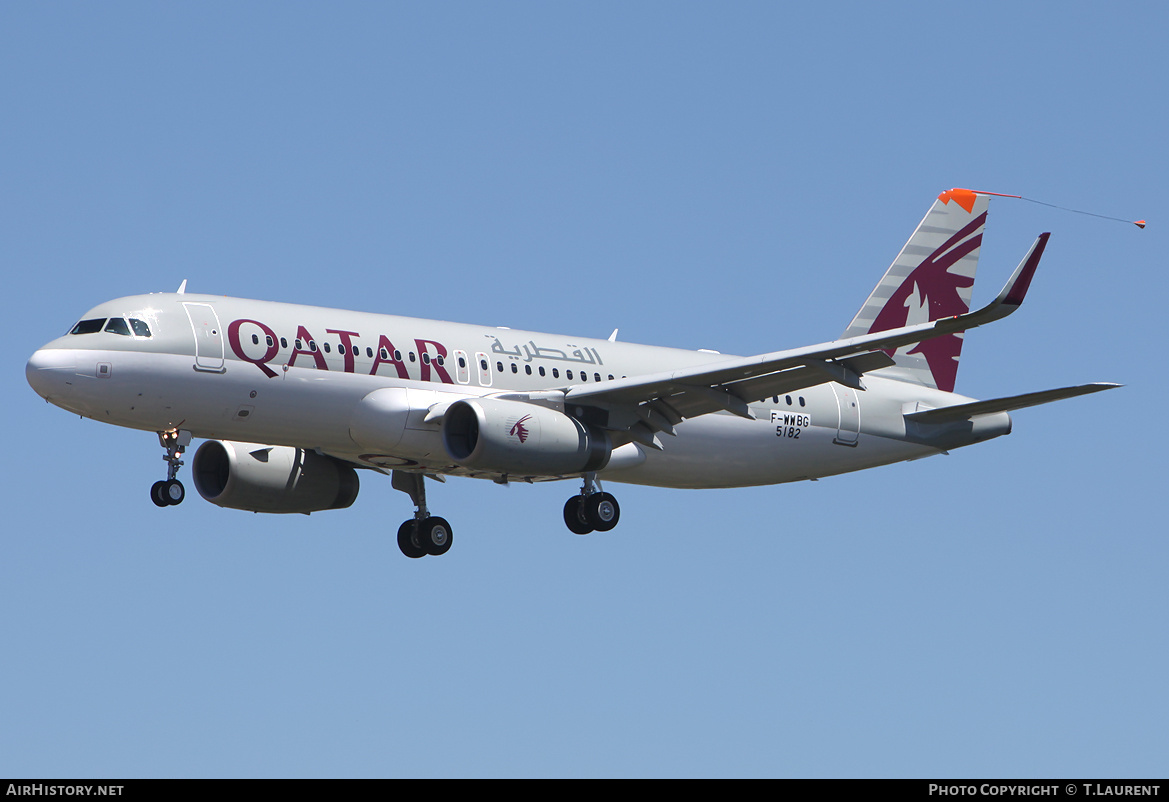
<point>170,491</point>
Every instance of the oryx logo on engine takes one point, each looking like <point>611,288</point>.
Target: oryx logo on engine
<point>519,430</point>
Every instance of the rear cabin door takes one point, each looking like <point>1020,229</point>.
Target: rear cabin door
<point>848,430</point>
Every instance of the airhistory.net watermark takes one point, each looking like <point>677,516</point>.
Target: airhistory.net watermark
<point>45,789</point>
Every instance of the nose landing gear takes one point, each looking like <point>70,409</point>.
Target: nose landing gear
<point>170,491</point>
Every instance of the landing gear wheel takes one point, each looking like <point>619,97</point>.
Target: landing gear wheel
<point>602,511</point>
<point>170,491</point>
<point>574,516</point>
<point>408,540</point>
<point>158,494</point>
<point>423,534</point>
<point>434,535</point>
<point>174,492</point>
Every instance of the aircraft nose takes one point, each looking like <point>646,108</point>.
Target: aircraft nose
<point>47,370</point>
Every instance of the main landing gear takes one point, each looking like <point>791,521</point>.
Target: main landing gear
<point>170,491</point>
<point>591,510</point>
<point>423,534</point>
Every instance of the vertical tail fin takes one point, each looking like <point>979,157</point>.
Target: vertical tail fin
<point>931,278</point>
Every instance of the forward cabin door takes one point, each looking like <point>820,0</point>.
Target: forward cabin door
<point>208,337</point>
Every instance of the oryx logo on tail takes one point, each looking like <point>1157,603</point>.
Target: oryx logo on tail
<point>935,292</point>
<point>931,278</point>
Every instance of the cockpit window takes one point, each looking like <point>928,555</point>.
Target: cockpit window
<point>118,326</point>
<point>89,326</point>
<point>140,327</point>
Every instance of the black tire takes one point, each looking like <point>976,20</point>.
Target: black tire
<point>158,494</point>
<point>408,541</point>
<point>434,535</point>
<point>174,492</point>
<point>602,511</point>
<point>574,516</point>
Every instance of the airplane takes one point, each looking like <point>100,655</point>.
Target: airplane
<point>293,400</point>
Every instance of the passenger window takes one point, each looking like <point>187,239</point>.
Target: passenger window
<point>118,326</point>
<point>88,326</point>
<point>555,373</point>
<point>515,368</point>
<point>140,328</point>
<point>568,374</point>
<point>283,342</point>
<point>368,352</point>
<point>327,348</point>
<point>528,369</point>
<point>596,377</point>
<point>255,339</point>
<point>542,370</point>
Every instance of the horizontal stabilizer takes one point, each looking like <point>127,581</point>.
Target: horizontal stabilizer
<point>963,412</point>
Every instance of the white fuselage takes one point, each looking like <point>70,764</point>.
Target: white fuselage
<point>282,374</point>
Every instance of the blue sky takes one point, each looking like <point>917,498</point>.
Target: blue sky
<point>707,177</point>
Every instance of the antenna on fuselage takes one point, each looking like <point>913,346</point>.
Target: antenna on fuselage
<point>182,287</point>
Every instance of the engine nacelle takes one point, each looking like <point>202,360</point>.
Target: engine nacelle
<point>259,478</point>
<point>521,439</point>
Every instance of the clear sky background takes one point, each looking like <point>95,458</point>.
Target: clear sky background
<point>726,176</point>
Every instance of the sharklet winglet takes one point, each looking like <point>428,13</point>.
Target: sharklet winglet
<point>1020,281</point>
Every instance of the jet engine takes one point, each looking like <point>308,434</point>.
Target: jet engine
<point>521,439</point>
<point>259,478</point>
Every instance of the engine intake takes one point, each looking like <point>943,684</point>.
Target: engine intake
<point>521,439</point>
<point>279,479</point>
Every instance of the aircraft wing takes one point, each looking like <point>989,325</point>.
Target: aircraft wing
<point>661,400</point>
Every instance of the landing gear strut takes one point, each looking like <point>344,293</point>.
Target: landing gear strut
<point>591,510</point>
<point>170,491</point>
<point>423,534</point>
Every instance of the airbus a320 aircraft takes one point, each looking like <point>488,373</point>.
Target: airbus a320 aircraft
<point>293,400</point>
